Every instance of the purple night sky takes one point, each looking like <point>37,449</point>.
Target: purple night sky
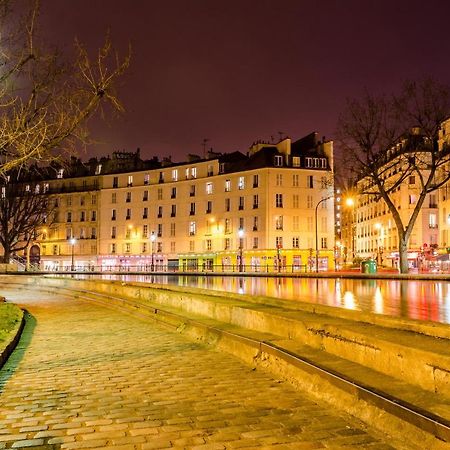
<point>240,70</point>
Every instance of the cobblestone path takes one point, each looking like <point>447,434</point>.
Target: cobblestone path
<point>88,377</point>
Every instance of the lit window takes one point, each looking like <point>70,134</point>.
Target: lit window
<point>296,161</point>
<point>278,161</point>
<point>241,183</point>
<point>209,188</point>
<point>192,228</point>
<point>130,180</point>
<point>175,175</point>
<point>227,185</point>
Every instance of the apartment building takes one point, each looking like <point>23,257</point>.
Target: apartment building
<point>263,211</point>
<point>375,230</point>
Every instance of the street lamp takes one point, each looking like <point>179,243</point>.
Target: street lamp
<point>72,241</point>
<point>317,233</point>
<point>153,239</point>
<point>241,238</point>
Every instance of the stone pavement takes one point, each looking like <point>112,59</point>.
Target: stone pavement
<point>88,377</point>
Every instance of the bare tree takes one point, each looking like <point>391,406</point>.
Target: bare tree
<point>385,140</point>
<point>24,210</point>
<point>46,100</point>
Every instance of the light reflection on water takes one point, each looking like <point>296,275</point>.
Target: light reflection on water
<point>414,299</point>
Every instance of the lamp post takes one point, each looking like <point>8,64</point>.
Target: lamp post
<point>351,203</point>
<point>317,233</point>
<point>241,237</point>
<point>72,241</point>
<point>153,239</point>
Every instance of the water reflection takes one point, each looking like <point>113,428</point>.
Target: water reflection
<point>414,299</point>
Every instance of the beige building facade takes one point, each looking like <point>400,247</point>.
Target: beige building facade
<point>263,211</point>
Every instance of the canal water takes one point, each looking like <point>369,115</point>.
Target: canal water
<point>413,299</point>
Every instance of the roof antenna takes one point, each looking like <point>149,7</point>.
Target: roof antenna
<point>281,135</point>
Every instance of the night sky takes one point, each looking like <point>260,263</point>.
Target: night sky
<point>238,71</point>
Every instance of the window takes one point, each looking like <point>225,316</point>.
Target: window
<point>255,223</point>
<point>113,214</point>
<point>310,181</point>
<point>174,174</point>
<point>227,244</point>
<point>295,201</point>
<point>227,226</point>
<point>145,213</point>
<point>172,229</point>
<point>145,196</point>
<point>192,228</point>
<point>194,172</point>
<point>160,212</point>
<point>192,210</point>
<point>278,200</point>
<point>433,220</point>
<point>210,171</point>
<point>241,203</point>
<point>279,222</point>
<point>128,198</point>
<point>128,216</point>
<point>309,201</point>
<point>192,246</point>
<point>130,181</point>
<point>160,194</point>
<point>241,223</point>
<point>172,246</point>
<point>69,200</point>
<point>82,201</point>
<point>113,247</point>
<point>241,183</point>
<point>146,179</point>
<point>192,190</point>
<point>255,181</point>
<point>208,245</point>
<point>174,193</point>
<point>309,223</point>
<point>295,223</point>
<point>255,201</point>
<point>412,179</point>
<point>227,204</point>
<point>94,200</point>
<point>69,233</point>
<point>209,207</point>
<point>296,161</point>
<point>433,202</point>
<point>55,250</point>
<point>295,242</point>
<point>144,247</point>
<point>161,177</point>
<point>82,216</point>
<point>279,242</point>
<point>227,185</point>
<point>279,179</point>
<point>209,188</point>
<point>115,182</point>
<point>323,242</point>
<point>60,173</point>
<point>145,231</point>
<point>173,211</point>
<point>295,179</point>
<point>93,216</point>
<point>278,161</point>
<point>127,247</point>
<point>255,242</point>
<point>160,230</point>
<point>69,216</point>
<point>127,232</point>
<point>208,227</point>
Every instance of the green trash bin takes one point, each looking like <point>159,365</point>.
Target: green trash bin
<point>369,266</point>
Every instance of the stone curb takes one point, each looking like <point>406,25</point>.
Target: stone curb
<point>10,347</point>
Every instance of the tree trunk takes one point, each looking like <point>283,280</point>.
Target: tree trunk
<point>6,255</point>
<point>403,252</point>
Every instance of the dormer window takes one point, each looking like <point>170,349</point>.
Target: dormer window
<point>60,173</point>
<point>98,169</point>
<point>278,161</point>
